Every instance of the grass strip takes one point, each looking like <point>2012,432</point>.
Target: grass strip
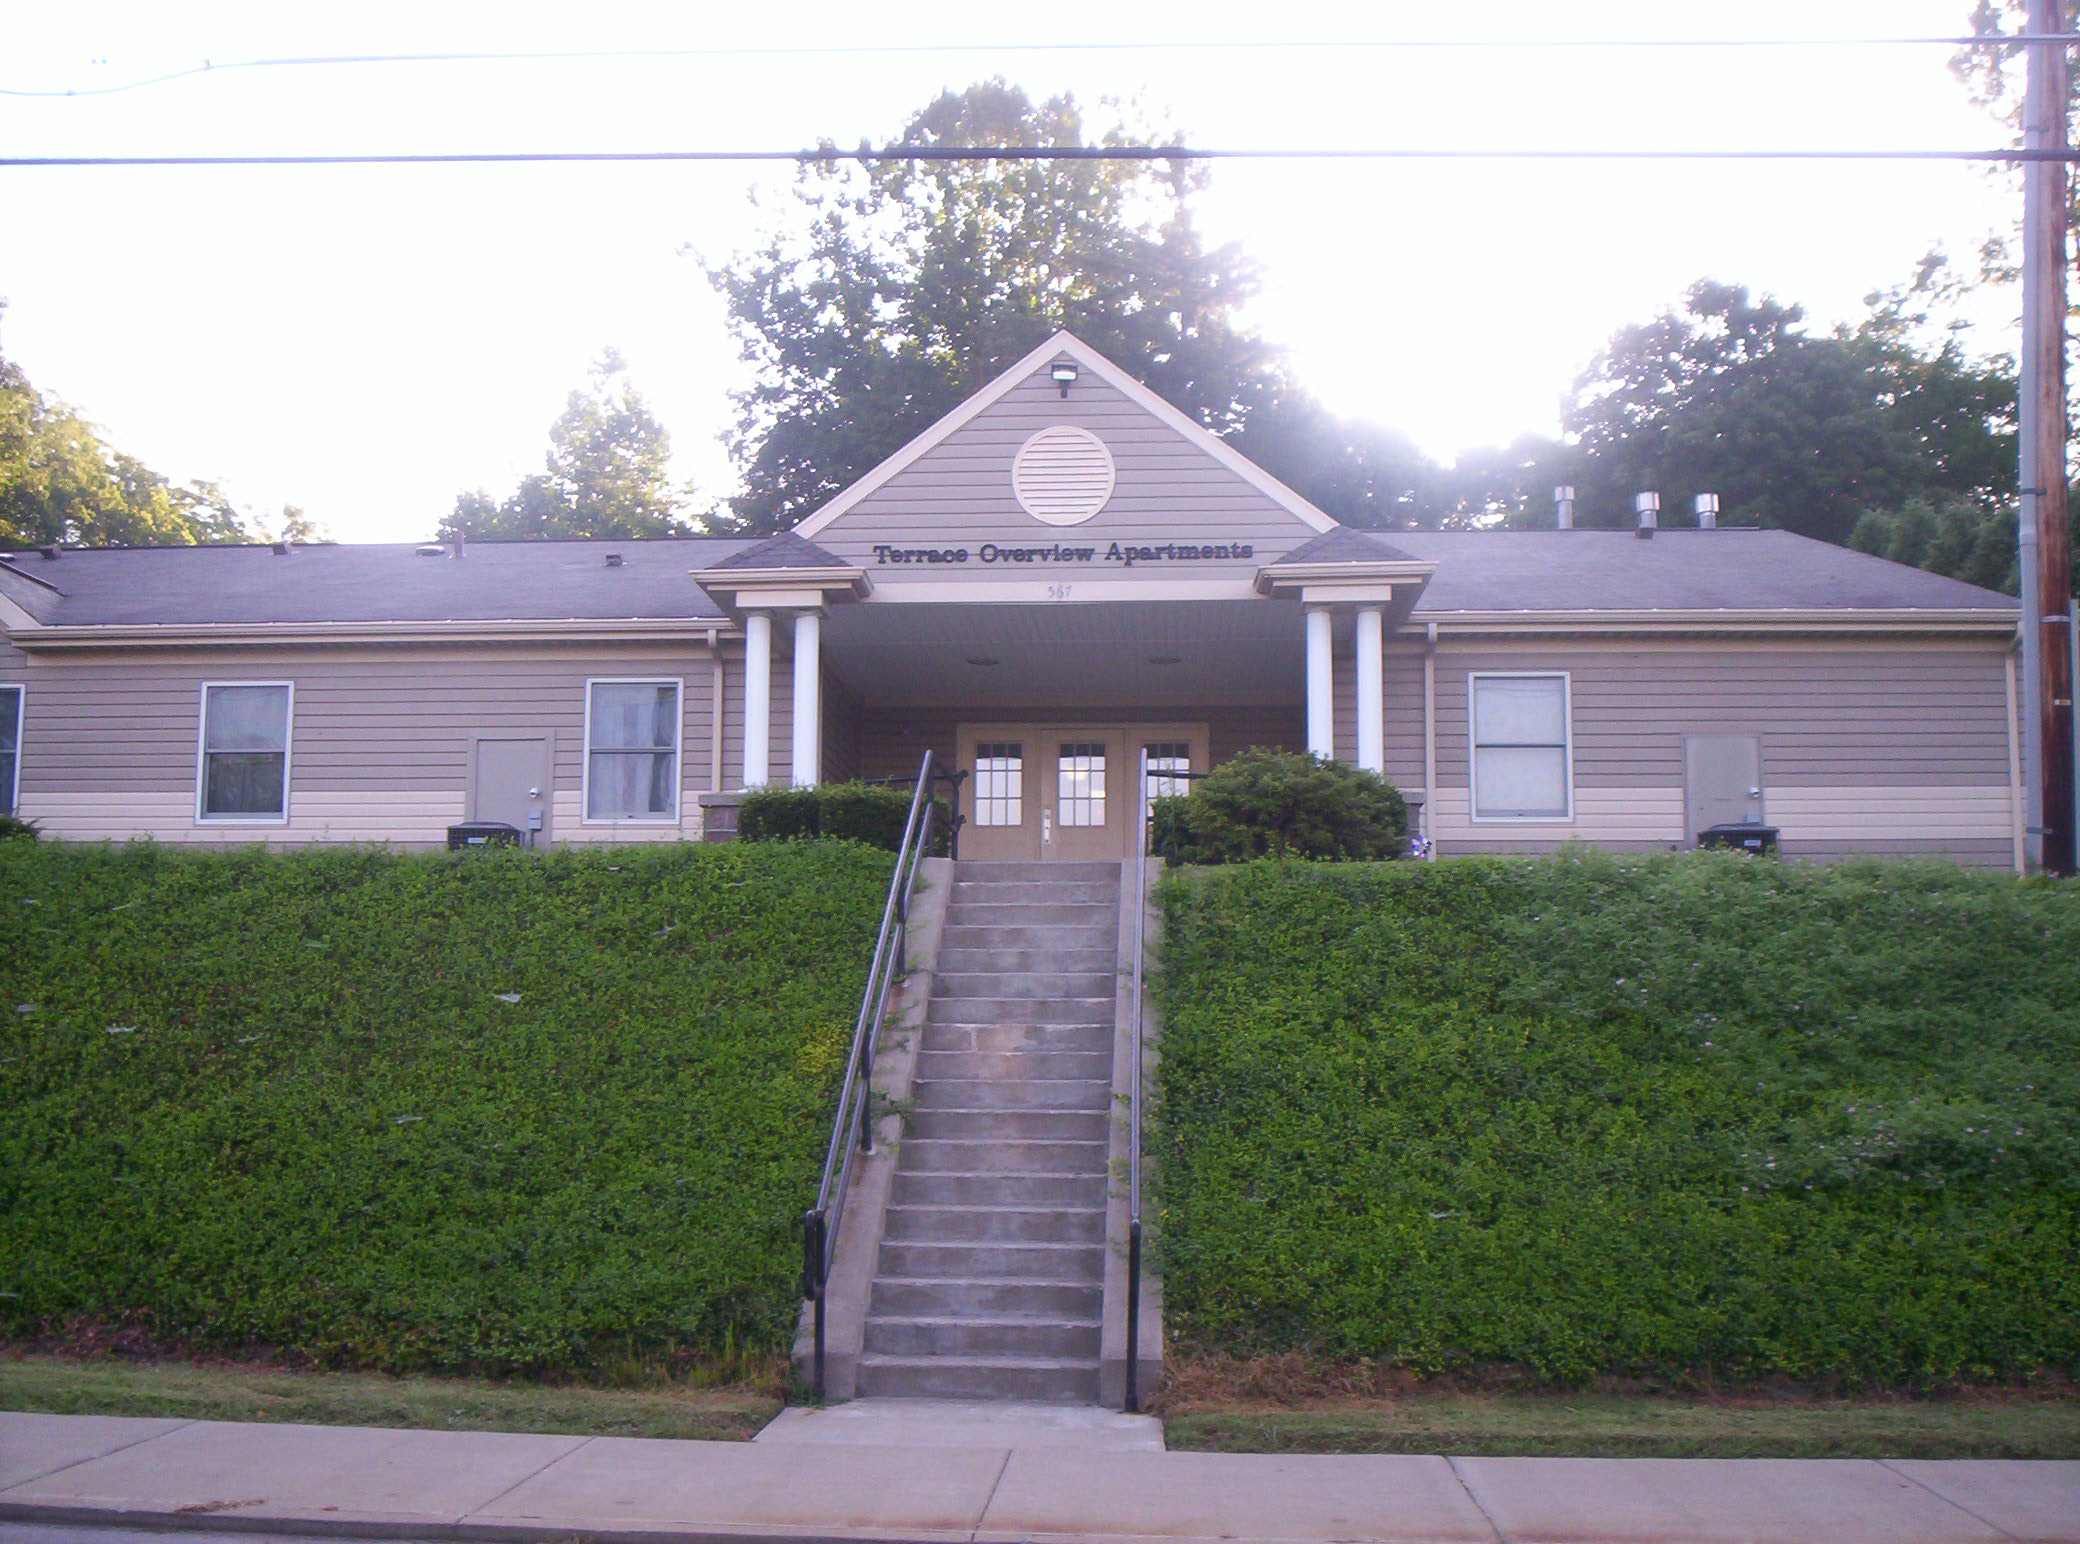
<point>1593,1426</point>
<point>57,1386</point>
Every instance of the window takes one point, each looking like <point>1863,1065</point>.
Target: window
<point>10,747</point>
<point>1520,747</point>
<point>1081,797</point>
<point>245,752</point>
<point>999,784</point>
<point>1166,758</point>
<point>632,750</point>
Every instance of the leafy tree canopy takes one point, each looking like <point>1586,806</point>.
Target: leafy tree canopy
<point>61,484</point>
<point>607,473</point>
<point>1731,395</point>
<point>892,290</point>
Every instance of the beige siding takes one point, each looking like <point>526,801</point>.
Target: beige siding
<point>380,743</point>
<point>1866,746</point>
<point>959,494</point>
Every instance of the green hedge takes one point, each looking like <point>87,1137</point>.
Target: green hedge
<point>1588,1116</point>
<point>858,812</point>
<point>496,1110</point>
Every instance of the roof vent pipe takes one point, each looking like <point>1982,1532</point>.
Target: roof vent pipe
<point>1563,508</point>
<point>1648,508</point>
<point>461,540</point>
<point>1708,511</point>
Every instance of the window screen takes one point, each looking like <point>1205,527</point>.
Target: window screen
<point>1519,738</point>
<point>999,784</point>
<point>1080,786</point>
<point>632,751</point>
<point>245,752</point>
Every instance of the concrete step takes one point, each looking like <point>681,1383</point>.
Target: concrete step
<point>926,1156</point>
<point>1018,1334</point>
<point>1011,1065</point>
<point>896,1296</point>
<point>1031,913</point>
<point>1010,1125</point>
<point>1025,983</point>
<point>993,891</point>
<point>1004,870</point>
<point>1018,1037</point>
<point>1023,1010</point>
<point>924,1259</point>
<point>994,1224</point>
<point>1102,957</point>
<point>1053,1380</point>
<point>1060,941</point>
<point>1012,1094</point>
<point>940,1188</point>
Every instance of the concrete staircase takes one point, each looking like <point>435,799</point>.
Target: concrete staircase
<point>992,1264</point>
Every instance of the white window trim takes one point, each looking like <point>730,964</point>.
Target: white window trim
<point>202,818</point>
<point>21,718</point>
<point>1566,680</point>
<point>585,815</point>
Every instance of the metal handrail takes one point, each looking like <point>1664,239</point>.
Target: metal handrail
<point>853,1127</point>
<point>1137,1052</point>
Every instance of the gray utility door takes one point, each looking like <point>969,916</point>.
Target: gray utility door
<point>509,781</point>
<point>1722,780</point>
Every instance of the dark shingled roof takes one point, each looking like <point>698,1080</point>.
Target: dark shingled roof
<point>1344,545</point>
<point>1527,571</point>
<point>494,581</point>
<point>786,550</point>
<point>1731,569</point>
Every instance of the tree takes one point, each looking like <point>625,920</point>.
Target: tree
<point>1732,396</point>
<point>893,289</point>
<point>607,473</point>
<point>62,485</point>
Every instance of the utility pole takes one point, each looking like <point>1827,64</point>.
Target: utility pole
<point>2047,648</point>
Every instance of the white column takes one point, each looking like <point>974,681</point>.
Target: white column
<point>1321,685</point>
<point>1372,690</point>
<point>758,698</point>
<point>807,763</point>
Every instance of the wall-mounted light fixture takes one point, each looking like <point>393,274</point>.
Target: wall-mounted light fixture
<point>1063,373</point>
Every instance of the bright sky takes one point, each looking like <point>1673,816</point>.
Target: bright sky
<point>367,342</point>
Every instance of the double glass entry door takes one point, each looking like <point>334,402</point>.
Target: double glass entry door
<point>1065,791</point>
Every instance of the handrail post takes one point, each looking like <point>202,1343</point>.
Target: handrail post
<point>813,1283</point>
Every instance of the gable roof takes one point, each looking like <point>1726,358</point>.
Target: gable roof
<point>1344,545</point>
<point>787,550</point>
<point>1060,345</point>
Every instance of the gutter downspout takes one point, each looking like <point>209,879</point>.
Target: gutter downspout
<point>1430,740</point>
<point>718,695</point>
<point>2017,798</point>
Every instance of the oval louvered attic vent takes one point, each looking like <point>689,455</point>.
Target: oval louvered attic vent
<point>1062,475</point>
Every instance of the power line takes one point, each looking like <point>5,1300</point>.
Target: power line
<point>211,67</point>
<point>828,154</point>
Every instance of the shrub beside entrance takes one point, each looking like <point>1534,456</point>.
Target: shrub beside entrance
<point>1584,1116</point>
<point>1271,804</point>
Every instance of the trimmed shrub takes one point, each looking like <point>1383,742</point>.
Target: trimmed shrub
<point>1687,1115</point>
<point>872,813</point>
<point>15,829</point>
<point>779,814</point>
<point>1286,804</point>
<point>503,1111</point>
<point>862,812</point>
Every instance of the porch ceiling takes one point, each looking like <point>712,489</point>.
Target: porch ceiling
<point>1066,655</point>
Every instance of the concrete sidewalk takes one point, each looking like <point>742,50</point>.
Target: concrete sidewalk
<point>220,1476</point>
